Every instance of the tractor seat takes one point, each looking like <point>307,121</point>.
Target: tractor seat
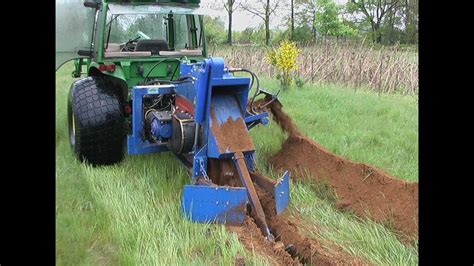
<point>152,45</point>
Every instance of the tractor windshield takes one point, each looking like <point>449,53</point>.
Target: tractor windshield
<point>148,34</point>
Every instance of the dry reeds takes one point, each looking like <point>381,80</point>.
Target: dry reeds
<point>382,69</point>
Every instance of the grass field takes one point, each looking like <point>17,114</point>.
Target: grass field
<point>129,213</point>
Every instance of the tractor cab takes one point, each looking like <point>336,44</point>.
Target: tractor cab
<point>125,39</point>
<point>144,31</point>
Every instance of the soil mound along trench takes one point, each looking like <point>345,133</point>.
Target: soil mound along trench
<point>304,250</point>
<point>361,188</point>
<point>291,247</point>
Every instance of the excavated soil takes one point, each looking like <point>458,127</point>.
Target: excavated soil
<point>365,190</point>
<point>361,188</point>
<point>307,250</point>
<point>291,246</point>
<point>251,236</point>
<point>231,135</point>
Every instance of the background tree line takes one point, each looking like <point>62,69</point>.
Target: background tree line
<point>384,22</point>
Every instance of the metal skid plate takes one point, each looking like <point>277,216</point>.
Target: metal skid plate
<point>282,193</point>
<point>214,204</point>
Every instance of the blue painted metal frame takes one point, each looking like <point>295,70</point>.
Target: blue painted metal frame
<point>261,118</point>
<point>208,204</point>
<point>200,163</point>
<point>225,106</point>
<point>213,85</point>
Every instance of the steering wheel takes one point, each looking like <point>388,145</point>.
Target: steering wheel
<point>129,47</point>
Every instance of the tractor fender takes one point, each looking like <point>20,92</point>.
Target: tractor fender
<point>116,79</point>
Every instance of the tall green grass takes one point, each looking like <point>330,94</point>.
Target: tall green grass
<point>363,126</point>
<point>130,213</point>
<point>359,237</point>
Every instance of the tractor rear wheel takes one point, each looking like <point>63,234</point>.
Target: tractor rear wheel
<point>95,122</point>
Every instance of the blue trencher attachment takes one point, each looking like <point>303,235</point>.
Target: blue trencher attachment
<point>208,122</point>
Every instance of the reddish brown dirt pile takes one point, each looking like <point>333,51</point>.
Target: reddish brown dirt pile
<point>231,135</point>
<point>286,231</point>
<point>251,236</point>
<point>361,188</point>
<point>283,120</point>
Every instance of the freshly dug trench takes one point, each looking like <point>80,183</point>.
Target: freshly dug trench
<point>307,250</point>
<point>252,238</point>
<point>303,249</point>
<point>286,231</point>
<point>362,188</point>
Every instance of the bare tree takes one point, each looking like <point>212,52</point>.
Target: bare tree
<point>410,19</point>
<point>263,9</point>
<point>374,12</point>
<point>308,12</point>
<point>230,6</point>
<point>292,19</point>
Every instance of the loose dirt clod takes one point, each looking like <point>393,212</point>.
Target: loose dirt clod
<point>361,188</point>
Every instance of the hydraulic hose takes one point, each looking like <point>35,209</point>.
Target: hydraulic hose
<point>257,90</point>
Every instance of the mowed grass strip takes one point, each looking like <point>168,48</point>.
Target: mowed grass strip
<point>142,196</point>
<point>129,213</point>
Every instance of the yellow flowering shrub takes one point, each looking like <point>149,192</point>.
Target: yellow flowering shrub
<point>284,58</point>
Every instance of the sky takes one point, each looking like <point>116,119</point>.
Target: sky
<point>243,19</point>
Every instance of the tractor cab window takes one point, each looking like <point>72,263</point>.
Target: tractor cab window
<point>152,34</point>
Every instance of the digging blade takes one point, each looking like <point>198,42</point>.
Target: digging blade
<point>239,161</point>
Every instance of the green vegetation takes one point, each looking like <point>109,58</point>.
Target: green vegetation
<point>284,59</point>
<point>361,125</point>
<point>327,19</point>
<point>130,213</point>
<point>382,22</point>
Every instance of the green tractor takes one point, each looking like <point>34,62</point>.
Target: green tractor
<point>121,44</point>
<point>149,81</point>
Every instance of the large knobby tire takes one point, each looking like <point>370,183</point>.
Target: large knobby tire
<point>95,122</point>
